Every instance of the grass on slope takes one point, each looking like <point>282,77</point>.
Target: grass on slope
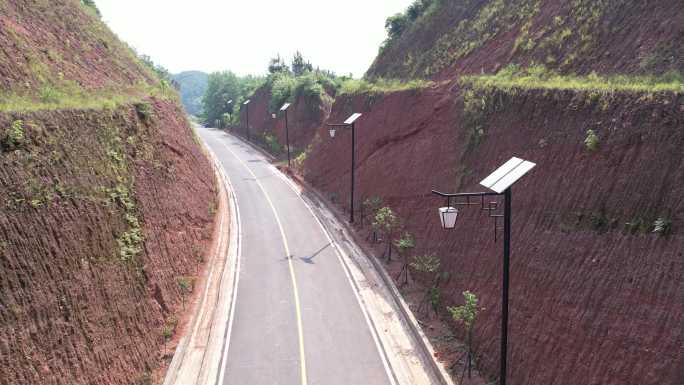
<point>380,86</point>
<point>538,77</point>
<point>71,96</point>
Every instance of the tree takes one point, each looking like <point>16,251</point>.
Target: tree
<point>387,222</point>
<point>404,244</point>
<point>369,208</point>
<point>299,65</point>
<point>429,264</point>
<point>395,25</point>
<point>466,314</point>
<point>221,88</point>
<point>277,65</point>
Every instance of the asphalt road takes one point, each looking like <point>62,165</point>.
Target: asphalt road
<point>296,319</point>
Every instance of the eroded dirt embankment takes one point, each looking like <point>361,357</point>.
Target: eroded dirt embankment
<point>594,293</point>
<point>304,116</point>
<point>105,215</point>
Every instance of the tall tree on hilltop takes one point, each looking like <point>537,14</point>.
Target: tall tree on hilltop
<point>277,65</point>
<point>299,65</point>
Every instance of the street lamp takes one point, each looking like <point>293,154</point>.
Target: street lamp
<point>246,104</point>
<point>229,107</point>
<point>347,124</point>
<point>287,131</point>
<point>500,182</point>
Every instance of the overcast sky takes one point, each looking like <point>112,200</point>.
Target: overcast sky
<point>212,35</point>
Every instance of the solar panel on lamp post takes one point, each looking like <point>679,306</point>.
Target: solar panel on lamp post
<point>500,182</point>
<point>349,123</point>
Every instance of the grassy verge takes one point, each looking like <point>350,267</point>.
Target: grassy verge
<point>537,77</point>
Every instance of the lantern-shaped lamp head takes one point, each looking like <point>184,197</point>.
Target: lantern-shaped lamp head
<point>332,132</point>
<point>448,217</point>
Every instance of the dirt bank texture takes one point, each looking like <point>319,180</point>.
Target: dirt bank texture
<point>305,115</point>
<point>45,43</point>
<point>594,293</point>
<point>102,212</point>
<point>578,36</point>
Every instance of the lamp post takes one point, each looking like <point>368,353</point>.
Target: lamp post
<point>500,182</point>
<point>246,104</point>
<point>229,107</point>
<point>349,123</point>
<point>287,131</point>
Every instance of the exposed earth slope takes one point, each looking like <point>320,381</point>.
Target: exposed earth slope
<point>106,202</point>
<point>448,38</point>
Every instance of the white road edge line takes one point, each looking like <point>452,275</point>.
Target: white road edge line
<point>352,283</point>
<point>300,327</point>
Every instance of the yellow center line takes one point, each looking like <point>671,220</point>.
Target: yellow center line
<point>298,311</point>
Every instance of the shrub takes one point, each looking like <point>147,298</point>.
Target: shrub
<point>282,90</point>
<point>50,95</point>
<point>387,222</point>
<point>144,111</point>
<point>466,314</point>
<point>662,226</point>
<point>272,143</point>
<point>14,135</point>
<point>299,159</point>
<point>591,142</point>
<point>308,86</point>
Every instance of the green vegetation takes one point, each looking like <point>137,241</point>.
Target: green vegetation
<point>381,86</point>
<point>14,135</point>
<point>387,223</point>
<point>70,96</point>
<point>299,159</point>
<point>272,144</point>
<point>466,314</point>
<point>185,285</point>
<point>90,4</point>
<point>662,226</point>
<point>193,85</point>
<point>538,77</point>
<point>429,264</point>
<point>222,87</point>
<point>397,24</point>
<point>169,329</point>
<point>145,112</point>
<point>299,80</point>
<point>591,142</point>
<point>403,245</point>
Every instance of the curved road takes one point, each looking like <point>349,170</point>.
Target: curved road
<point>296,318</point>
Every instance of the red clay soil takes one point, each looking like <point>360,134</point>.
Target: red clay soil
<point>305,116</point>
<point>72,310</point>
<point>614,36</point>
<point>48,42</point>
<point>595,295</point>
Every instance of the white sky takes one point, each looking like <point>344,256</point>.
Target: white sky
<point>241,36</point>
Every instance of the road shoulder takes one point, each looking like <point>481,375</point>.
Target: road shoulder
<point>198,356</point>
